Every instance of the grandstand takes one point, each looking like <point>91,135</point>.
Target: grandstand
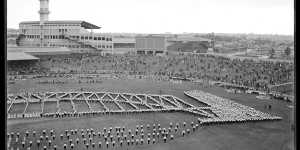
<point>38,51</point>
<point>21,63</point>
<point>72,34</point>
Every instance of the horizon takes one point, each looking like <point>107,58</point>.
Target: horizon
<point>265,17</point>
<point>257,34</point>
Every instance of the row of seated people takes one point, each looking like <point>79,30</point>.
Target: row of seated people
<point>246,72</point>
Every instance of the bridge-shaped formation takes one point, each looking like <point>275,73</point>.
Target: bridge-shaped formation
<point>217,109</point>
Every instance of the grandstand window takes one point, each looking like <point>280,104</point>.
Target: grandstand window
<point>103,46</point>
<point>95,38</point>
<point>77,37</point>
<point>90,38</point>
<point>86,37</point>
<point>99,38</point>
<point>66,30</point>
<point>82,37</point>
<point>103,38</point>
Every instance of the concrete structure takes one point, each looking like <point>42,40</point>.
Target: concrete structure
<point>151,44</point>
<point>64,33</point>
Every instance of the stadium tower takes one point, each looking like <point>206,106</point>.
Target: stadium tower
<point>49,35</point>
<point>44,12</point>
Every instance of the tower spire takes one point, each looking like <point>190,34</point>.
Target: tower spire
<point>44,10</point>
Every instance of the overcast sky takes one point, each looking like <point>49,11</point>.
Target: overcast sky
<point>159,16</point>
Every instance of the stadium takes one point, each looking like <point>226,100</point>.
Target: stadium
<point>70,91</point>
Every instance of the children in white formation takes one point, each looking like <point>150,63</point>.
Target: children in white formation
<point>111,137</point>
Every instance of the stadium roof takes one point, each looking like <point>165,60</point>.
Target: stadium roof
<point>20,56</point>
<point>150,36</point>
<point>37,49</point>
<point>124,40</point>
<point>83,24</point>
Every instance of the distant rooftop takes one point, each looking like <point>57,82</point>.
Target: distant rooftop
<point>150,36</point>
<point>83,24</point>
<point>188,39</point>
<point>20,56</point>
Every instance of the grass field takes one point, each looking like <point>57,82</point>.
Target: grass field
<point>34,107</point>
<point>126,106</point>
<point>111,105</point>
<point>50,107</point>
<point>17,108</point>
<point>268,135</point>
<point>96,106</point>
<point>81,106</point>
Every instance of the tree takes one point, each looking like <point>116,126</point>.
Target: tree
<point>287,51</point>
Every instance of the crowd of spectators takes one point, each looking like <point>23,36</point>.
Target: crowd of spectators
<point>252,73</point>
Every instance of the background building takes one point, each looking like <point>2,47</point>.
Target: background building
<point>188,44</point>
<point>71,34</point>
<point>123,45</point>
<point>65,33</point>
<point>151,44</point>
